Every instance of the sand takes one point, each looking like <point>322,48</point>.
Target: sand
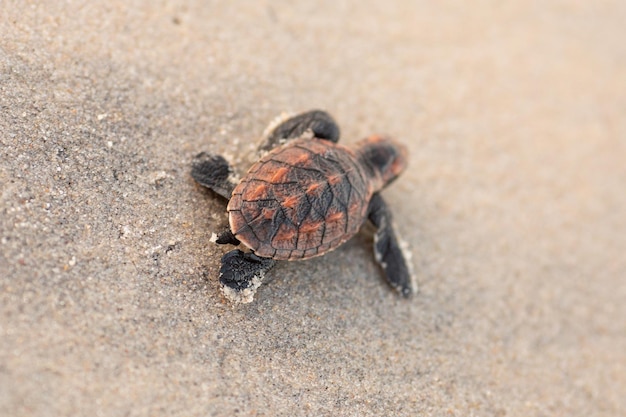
<point>513,208</point>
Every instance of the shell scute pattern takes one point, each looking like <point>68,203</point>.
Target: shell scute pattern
<point>300,200</point>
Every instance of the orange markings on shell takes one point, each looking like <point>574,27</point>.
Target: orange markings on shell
<point>300,160</point>
<point>335,179</point>
<point>256,193</point>
<point>285,238</point>
<point>267,214</point>
<point>291,201</point>
<point>310,227</point>
<point>280,175</point>
<point>333,217</point>
<point>313,187</point>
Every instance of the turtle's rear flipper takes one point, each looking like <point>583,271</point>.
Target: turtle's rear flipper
<point>386,248</point>
<point>318,122</point>
<point>242,273</point>
<point>214,172</point>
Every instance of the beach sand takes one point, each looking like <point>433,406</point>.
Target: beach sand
<point>513,206</point>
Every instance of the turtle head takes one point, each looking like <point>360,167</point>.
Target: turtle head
<point>384,158</point>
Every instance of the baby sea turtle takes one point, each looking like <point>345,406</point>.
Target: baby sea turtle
<point>304,197</point>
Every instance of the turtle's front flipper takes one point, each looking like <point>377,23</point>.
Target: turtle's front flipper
<point>213,172</point>
<point>242,273</point>
<point>320,123</point>
<point>386,248</point>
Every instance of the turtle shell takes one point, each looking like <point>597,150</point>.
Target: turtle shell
<point>300,200</point>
